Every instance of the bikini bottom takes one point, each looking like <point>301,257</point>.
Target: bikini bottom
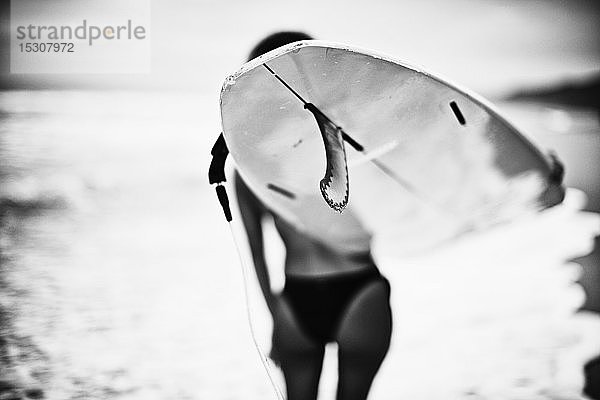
<point>320,303</point>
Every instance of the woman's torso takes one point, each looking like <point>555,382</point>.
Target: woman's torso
<point>307,256</point>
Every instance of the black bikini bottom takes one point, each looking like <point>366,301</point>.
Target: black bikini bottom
<point>319,303</point>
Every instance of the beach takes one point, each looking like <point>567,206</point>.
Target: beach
<point>120,278</point>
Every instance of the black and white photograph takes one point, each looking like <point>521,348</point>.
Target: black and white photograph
<point>318,200</point>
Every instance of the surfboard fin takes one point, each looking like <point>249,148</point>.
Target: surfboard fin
<point>334,185</point>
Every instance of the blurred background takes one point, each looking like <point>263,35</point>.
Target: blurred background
<point>118,275</point>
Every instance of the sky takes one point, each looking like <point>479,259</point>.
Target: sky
<point>490,46</point>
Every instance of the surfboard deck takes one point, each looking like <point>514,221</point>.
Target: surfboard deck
<point>424,161</point>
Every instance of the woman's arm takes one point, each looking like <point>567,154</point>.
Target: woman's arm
<point>252,211</point>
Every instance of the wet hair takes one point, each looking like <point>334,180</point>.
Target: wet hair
<point>276,40</point>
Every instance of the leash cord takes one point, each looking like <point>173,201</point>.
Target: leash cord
<point>263,359</point>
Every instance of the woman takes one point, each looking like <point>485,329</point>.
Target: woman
<point>330,295</point>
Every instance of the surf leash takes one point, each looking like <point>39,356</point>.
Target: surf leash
<point>216,175</point>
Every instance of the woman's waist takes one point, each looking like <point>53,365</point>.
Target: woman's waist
<point>315,266</point>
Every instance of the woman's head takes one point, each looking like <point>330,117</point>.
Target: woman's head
<point>276,40</point>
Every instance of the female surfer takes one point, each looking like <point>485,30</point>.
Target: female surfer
<point>332,293</point>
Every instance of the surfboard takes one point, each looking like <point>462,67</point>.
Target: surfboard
<point>350,146</point>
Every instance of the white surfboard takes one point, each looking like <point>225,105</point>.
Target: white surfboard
<point>344,144</point>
